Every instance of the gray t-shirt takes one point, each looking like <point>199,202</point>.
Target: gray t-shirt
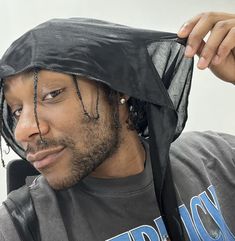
<point>98,209</point>
<point>126,209</point>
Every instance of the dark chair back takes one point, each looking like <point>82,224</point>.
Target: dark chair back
<point>17,172</point>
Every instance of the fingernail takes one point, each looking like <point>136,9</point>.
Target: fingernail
<point>202,63</point>
<point>182,29</point>
<point>188,51</point>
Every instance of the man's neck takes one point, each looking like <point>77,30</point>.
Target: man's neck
<point>128,160</point>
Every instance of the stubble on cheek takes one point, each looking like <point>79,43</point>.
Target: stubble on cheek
<point>90,145</point>
<point>56,175</point>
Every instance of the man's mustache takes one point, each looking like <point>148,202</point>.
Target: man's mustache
<point>46,144</point>
<point>39,145</point>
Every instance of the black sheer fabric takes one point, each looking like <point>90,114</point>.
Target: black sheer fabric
<point>20,206</point>
<point>149,66</point>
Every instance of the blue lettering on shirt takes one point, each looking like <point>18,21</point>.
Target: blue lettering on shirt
<point>196,204</point>
<point>213,209</point>
<point>143,232</point>
<point>188,223</point>
<point>161,227</point>
<point>193,223</point>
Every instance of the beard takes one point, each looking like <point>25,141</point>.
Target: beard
<point>85,161</point>
<point>99,142</point>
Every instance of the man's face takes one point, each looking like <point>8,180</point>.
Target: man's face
<point>73,146</point>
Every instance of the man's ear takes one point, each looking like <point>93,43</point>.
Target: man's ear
<point>123,98</point>
<point>123,108</point>
<point>127,97</point>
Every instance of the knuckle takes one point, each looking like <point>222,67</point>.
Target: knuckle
<point>232,31</point>
<point>193,37</point>
<point>221,25</point>
<point>207,51</point>
<point>208,15</point>
<point>200,15</point>
<point>223,49</point>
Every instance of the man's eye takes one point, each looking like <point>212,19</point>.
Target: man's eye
<point>53,94</point>
<point>16,113</point>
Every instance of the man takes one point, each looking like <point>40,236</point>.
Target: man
<point>76,96</point>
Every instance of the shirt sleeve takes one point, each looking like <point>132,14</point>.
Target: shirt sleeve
<point>7,228</point>
<point>230,139</point>
<point>1,237</point>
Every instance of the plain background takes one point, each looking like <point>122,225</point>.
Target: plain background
<point>211,103</point>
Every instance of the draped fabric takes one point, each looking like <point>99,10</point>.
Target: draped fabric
<point>149,66</point>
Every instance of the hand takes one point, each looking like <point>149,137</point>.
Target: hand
<point>218,51</point>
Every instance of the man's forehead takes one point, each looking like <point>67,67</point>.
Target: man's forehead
<point>43,75</point>
<point>45,78</point>
<point>10,81</point>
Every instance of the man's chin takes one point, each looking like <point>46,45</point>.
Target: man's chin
<point>58,183</point>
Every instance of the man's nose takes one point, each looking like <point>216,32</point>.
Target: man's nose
<point>27,129</point>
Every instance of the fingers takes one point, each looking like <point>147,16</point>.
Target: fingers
<point>188,27</point>
<point>219,43</point>
<point>212,45</point>
<point>196,29</point>
<point>225,47</point>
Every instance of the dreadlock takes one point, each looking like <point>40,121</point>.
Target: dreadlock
<point>137,116</point>
<point>137,109</point>
<point>35,97</point>
<point>112,98</point>
<point>1,120</point>
<point>97,116</point>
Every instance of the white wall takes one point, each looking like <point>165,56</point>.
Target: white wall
<point>211,101</point>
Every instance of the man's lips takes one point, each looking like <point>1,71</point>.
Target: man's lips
<point>43,158</point>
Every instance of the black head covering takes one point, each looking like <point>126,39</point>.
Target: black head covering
<point>149,66</point>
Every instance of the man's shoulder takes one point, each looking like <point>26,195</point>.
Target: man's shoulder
<point>202,141</point>
<point>200,149</point>
<point>33,184</point>
<point>205,135</point>
<point>7,228</point>
<point>203,151</point>
<point>3,215</point>
<point>19,208</point>
<point>21,196</point>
